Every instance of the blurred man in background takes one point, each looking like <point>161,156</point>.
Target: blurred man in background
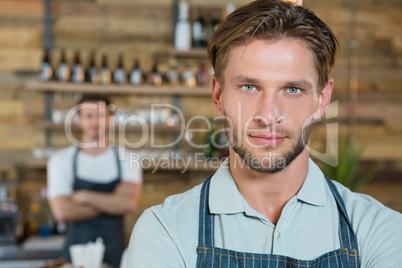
<point>92,186</point>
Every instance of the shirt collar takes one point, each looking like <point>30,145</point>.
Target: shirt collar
<point>313,189</point>
<point>225,198</point>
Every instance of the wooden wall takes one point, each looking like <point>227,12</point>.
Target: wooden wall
<point>143,28</point>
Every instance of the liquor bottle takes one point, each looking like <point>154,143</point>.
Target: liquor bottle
<point>136,74</point>
<point>182,40</point>
<point>155,78</point>
<point>92,75</point>
<point>105,76</point>
<point>189,77</point>
<point>202,75</point>
<point>63,72</point>
<point>215,20</point>
<point>78,71</point>
<point>46,68</point>
<point>173,73</point>
<point>120,75</point>
<point>199,34</point>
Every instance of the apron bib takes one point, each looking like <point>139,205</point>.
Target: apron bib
<point>109,227</point>
<point>210,256</point>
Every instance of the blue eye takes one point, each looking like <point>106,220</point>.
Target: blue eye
<point>248,87</point>
<point>293,90</point>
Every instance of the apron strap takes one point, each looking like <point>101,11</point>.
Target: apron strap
<point>347,236</point>
<point>75,162</point>
<point>118,163</point>
<point>206,229</point>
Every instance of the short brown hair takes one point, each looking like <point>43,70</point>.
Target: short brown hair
<point>274,20</point>
<point>95,98</point>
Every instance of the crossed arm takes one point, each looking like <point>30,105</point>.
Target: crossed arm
<point>84,204</point>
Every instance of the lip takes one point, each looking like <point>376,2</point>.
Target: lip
<point>267,139</point>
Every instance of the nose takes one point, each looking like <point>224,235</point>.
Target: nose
<point>268,112</point>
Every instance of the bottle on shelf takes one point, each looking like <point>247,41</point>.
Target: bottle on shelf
<point>92,75</point>
<point>63,72</point>
<point>119,74</point>
<point>154,77</point>
<point>105,75</point>
<point>136,74</point>
<point>202,75</point>
<point>46,68</point>
<point>189,77</point>
<point>215,20</point>
<point>199,33</point>
<point>78,71</point>
<point>39,217</point>
<point>182,38</point>
<point>173,73</point>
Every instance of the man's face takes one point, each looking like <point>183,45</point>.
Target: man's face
<point>94,119</point>
<point>270,94</point>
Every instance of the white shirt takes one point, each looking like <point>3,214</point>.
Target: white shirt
<point>99,169</point>
<point>167,235</point>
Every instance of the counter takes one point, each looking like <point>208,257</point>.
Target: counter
<point>34,252</point>
<point>17,257</point>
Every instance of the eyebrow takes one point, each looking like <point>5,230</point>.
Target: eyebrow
<point>299,84</point>
<point>244,79</point>
<point>303,83</point>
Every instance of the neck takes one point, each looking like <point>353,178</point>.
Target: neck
<point>268,193</point>
<point>100,146</point>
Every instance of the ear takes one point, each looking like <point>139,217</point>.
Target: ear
<point>217,95</point>
<point>324,99</point>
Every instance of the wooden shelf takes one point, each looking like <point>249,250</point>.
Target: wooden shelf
<point>179,166</point>
<point>48,125</point>
<point>116,89</point>
<point>192,53</point>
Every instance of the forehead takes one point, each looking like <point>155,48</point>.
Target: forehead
<point>275,60</point>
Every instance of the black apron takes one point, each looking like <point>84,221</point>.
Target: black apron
<point>110,228</point>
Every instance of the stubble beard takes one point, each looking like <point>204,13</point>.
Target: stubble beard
<point>272,162</point>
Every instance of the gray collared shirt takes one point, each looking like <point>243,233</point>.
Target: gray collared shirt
<point>167,235</point>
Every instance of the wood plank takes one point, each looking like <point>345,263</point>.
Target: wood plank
<point>47,125</point>
<point>111,28</point>
<point>192,53</point>
<point>16,137</point>
<point>15,59</point>
<point>11,108</point>
<point>116,89</point>
<point>204,3</point>
<point>150,9</point>
<point>149,166</point>
<point>383,151</point>
<point>21,37</point>
<point>22,8</point>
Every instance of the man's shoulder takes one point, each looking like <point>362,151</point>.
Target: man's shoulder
<point>62,155</point>
<point>378,229</point>
<point>182,200</point>
<point>178,205</point>
<point>363,208</point>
